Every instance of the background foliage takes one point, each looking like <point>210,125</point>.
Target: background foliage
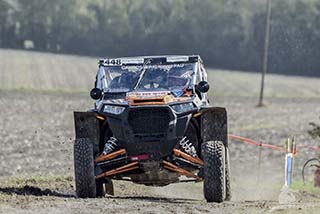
<point>227,33</point>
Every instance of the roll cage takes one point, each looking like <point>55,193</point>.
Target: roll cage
<point>115,73</point>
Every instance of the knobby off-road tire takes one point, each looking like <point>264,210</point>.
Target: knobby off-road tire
<point>86,186</point>
<point>214,185</point>
<point>228,187</point>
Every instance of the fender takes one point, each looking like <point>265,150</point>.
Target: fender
<point>214,124</point>
<point>87,125</point>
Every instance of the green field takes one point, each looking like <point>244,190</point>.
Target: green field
<point>27,70</point>
<point>45,72</point>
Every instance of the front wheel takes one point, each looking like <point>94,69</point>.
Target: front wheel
<point>214,186</point>
<point>86,186</point>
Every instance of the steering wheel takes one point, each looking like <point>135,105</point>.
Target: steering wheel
<point>150,85</point>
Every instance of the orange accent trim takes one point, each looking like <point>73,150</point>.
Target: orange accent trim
<point>188,93</point>
<point>188,157</point>
<point>100,117</point>
<point>110,156</point>
<point>154,102</point>
<point>197,114</point>
<point>135,101</point>
<point>172,167</point>
<point>125,168</point>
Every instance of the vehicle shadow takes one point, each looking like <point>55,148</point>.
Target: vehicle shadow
<point>36,191</point>
<point>157,199</point>
<point>32,190</point>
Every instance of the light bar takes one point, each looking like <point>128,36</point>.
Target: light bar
<point>133,61</point>
<point>151,60</point>
<point>177,58</point>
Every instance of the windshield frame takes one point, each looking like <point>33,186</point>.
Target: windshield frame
<point>141,70</point>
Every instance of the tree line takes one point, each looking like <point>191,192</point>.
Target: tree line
<point>228,34</point>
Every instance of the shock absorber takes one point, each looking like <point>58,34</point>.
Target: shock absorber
<point>188,147</point>
<point>110,145</point>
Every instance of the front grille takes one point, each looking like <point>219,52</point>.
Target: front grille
<point>150,120</point>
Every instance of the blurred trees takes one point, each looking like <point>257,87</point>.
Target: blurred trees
<point>7,23</point>
<point>227,33</point>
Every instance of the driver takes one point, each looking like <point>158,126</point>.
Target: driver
<point>154,78</point>
<point>176,81</point>
<point>125,80</point>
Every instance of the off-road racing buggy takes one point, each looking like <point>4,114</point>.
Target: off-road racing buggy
<point>151,124</point>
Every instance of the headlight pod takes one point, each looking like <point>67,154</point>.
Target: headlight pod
<point>111,109</point>
<point>184,107</point>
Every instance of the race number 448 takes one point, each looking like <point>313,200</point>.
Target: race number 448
<point>113,62</point>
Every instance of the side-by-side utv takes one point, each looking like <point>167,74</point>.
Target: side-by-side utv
<point>152,124</point>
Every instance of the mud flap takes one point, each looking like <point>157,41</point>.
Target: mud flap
<point>87,126</point>
<point>214,125</point>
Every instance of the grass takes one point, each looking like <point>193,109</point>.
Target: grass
<point>35,71</point>
<point>45,91</point>
<point>245,84</point>
<point>308,187</point>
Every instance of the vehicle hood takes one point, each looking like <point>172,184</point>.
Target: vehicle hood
<point>154,98</point>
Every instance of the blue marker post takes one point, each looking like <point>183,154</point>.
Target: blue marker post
<point>286,194</point>
<point>290,145</point>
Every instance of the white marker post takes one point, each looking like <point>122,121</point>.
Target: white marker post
<point>289,161</point>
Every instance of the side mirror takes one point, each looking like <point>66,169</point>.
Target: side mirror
<point>96,93</point>
<point>203,86</point>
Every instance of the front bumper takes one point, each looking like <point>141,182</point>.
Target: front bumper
<point>152,130</point>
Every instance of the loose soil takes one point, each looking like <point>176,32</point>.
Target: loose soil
<point>36,159</point>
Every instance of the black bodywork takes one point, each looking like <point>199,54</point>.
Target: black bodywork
<point>150,130</point>
<point>150,136</point>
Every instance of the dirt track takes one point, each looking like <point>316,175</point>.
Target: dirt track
<point>36,144</point>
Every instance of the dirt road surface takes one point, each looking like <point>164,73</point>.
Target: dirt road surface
<point>36,159</point>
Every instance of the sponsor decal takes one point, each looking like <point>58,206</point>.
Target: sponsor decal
<point>146,94</point>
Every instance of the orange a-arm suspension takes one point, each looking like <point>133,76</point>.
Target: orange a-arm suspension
<point>172,167</point>
<point>135,165</point>
<point>125,168</point>
<point>110,156</point>
<point>177,152</point>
